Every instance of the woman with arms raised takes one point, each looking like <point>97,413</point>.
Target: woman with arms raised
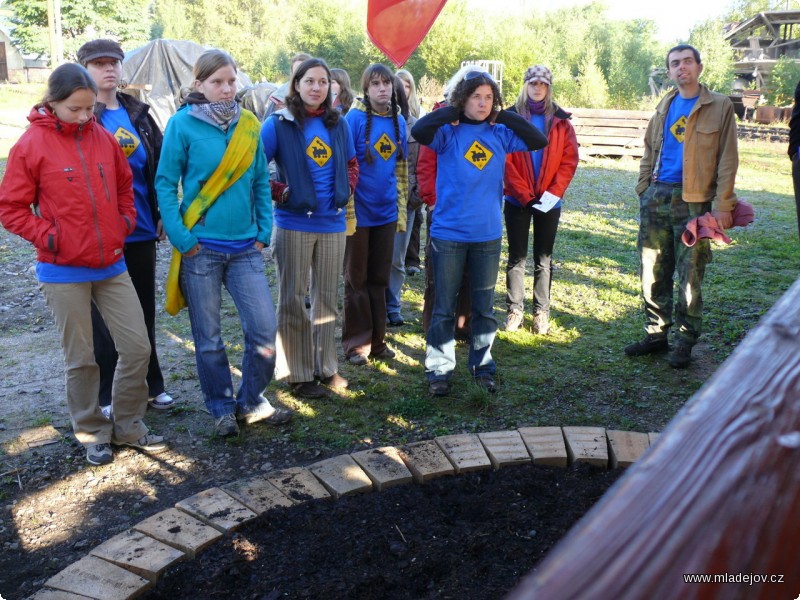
<point>471,138</point>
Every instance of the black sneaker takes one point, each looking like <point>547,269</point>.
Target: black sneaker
<point>438,388</point>
<point>395,321</point>
<point>99,454</point>
<point>487,382</point>
<point>681,356</point>
<point>651,344</point>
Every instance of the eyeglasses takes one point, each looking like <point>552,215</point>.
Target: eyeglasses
<point>477,75</point>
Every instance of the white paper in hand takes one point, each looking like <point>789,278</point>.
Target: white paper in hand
<point>547,201</point>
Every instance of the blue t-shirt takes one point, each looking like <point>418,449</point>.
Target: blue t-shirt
<point>376,191</point>
<point>671,170</point>
<point>50,273</point>
<point>319,157</point>
<point>119,124</point>
<point>469,180</point>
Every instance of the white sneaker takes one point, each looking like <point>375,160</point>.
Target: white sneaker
<point>106,410</point>
<point>161,402</point>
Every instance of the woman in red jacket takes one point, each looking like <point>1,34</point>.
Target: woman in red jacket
<point>534,185</point>
<point>68,190</point>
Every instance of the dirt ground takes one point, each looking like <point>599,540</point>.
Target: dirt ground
<point>469,537</point>
<point>54,508</point>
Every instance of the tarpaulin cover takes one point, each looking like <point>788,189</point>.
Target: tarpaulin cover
<point>156,72</point>
<point>397,27</point>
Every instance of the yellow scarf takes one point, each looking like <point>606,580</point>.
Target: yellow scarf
<point>235,162</point>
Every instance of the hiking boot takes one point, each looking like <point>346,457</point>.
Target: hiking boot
<point>439,388</point>
<point>385,354</point>
<point>486,382</point>
<point>395,321</point>
<point>307,389</point>
<point>266,413</point>
<point>359,360</point>
<point>99,454</point>
<point>513,320</point>
<point>335,381</point>
<point>226,425</point>
<point>651,344</point>
<point>541,323</point>
<point>149,442</point>
<point>161,402</point>
<point>681,356</point>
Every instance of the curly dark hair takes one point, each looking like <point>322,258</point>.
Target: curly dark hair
<point>295,103</point>
<point>466,87</point>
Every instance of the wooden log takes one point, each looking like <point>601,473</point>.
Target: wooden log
<point>719,493</point>
<point>581,120</point>
<point>603,113</point>
<point>625,132</point>
<point>601,140</point>
<point>611,151</point>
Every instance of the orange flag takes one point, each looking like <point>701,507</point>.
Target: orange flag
<point>397,27</point>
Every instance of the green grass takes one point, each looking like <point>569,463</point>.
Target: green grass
<point>578,374</point>
<point>16,101</point>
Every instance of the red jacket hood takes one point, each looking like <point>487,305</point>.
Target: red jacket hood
<point>42,116</point>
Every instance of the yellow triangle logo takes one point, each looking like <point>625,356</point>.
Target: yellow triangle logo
<point>678,129</point>
<point>478,155</point>
<point>319,151</point>
<point>385,147</point>
<point>127,141</point>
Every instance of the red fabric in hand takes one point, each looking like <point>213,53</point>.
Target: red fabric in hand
<point>706,226</point>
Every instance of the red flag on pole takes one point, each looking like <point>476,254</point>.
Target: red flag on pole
<point>397,27</point>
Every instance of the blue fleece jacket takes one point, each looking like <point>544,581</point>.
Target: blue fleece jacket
<point>376,192</point>
<point>313,162</point>
<point>193,148</point>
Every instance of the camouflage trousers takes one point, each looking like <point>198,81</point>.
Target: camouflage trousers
<point>663,218</point>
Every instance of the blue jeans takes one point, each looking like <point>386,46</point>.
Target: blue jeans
<point>202,277</point>
<point>450,259</point>
<point>398,273</point>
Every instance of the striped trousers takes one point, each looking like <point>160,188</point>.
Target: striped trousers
<point>306,345</point>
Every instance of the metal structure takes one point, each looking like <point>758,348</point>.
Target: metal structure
<point>493,67</point>
<point>760,41</point>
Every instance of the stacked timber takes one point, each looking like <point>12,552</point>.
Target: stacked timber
<point>610,132</point>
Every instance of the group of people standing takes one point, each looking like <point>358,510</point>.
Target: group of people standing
<point>93,186</point>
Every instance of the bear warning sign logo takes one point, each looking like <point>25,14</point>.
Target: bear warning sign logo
<point>319,151</point>
<point>385,147</point>
<point>127,141</point>
<point>479,155</point>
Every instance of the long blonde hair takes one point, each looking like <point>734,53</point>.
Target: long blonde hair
<point>414,107</point>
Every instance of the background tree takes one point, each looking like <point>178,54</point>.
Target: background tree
<point>127,21</point>
<point>716,54</point>
<point>782,81</point>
